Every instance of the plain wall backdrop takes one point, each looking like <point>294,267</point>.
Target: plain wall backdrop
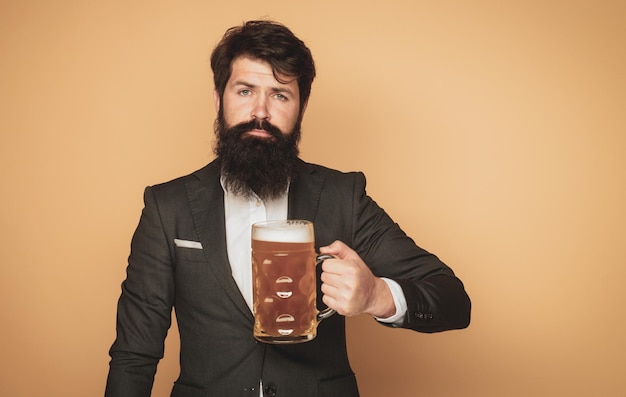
<point>493,131</point>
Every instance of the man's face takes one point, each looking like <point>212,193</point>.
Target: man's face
<point>252,93</point>
<point>258,127</point>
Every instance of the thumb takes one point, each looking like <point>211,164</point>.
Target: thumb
<point>337,249</point>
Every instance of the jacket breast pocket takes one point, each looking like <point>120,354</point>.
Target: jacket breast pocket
<point>189,254</point>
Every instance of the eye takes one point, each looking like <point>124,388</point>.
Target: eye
<point>245,92</point>
<point>281,97</point>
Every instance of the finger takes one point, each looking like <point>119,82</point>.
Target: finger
<point>332,303</point>
<point>341,268</point>
<point>332,266</point>
<point>338,285</point>
<point>337,248</point>
<point>331,283</point>
<point>338,303</point>
<point>333,298</point>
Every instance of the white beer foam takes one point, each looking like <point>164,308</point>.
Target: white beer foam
<point>284,232</point>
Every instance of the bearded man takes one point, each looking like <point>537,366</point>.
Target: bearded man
<point>191,249</point>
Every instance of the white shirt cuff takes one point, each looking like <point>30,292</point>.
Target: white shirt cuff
<point>399,300</point>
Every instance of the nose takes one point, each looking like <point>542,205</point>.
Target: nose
<point>260,110</point>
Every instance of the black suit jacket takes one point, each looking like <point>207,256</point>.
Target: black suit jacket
<point>219,356</point>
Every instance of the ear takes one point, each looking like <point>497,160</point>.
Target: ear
<point>216,101</point>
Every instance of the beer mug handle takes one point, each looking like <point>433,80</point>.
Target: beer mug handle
<point>321,315</point>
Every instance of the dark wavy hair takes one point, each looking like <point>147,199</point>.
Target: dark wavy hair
<point>268,41</point>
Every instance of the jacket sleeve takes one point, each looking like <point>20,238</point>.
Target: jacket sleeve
<point>144,308</point>
<point>436,298</point>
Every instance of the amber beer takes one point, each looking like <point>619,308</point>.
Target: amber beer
<point>284,290</point>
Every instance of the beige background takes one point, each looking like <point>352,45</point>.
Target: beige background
<point>493,131</point>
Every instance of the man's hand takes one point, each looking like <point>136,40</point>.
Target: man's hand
<point>349,286</point>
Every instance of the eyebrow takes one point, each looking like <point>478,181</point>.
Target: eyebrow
<point>278,89</point>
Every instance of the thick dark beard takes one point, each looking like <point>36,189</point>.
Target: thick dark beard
<point>250,164</point>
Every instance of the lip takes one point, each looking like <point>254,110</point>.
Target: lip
<point>259,134</point>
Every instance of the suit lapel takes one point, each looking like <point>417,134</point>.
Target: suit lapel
<point>206,199</point>
<point>304,193</point>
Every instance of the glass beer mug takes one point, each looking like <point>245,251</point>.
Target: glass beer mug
<point>284,282</point>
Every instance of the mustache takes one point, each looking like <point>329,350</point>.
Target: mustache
<point>241,128</point>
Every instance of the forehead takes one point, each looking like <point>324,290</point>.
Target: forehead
<point>256,71</point>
